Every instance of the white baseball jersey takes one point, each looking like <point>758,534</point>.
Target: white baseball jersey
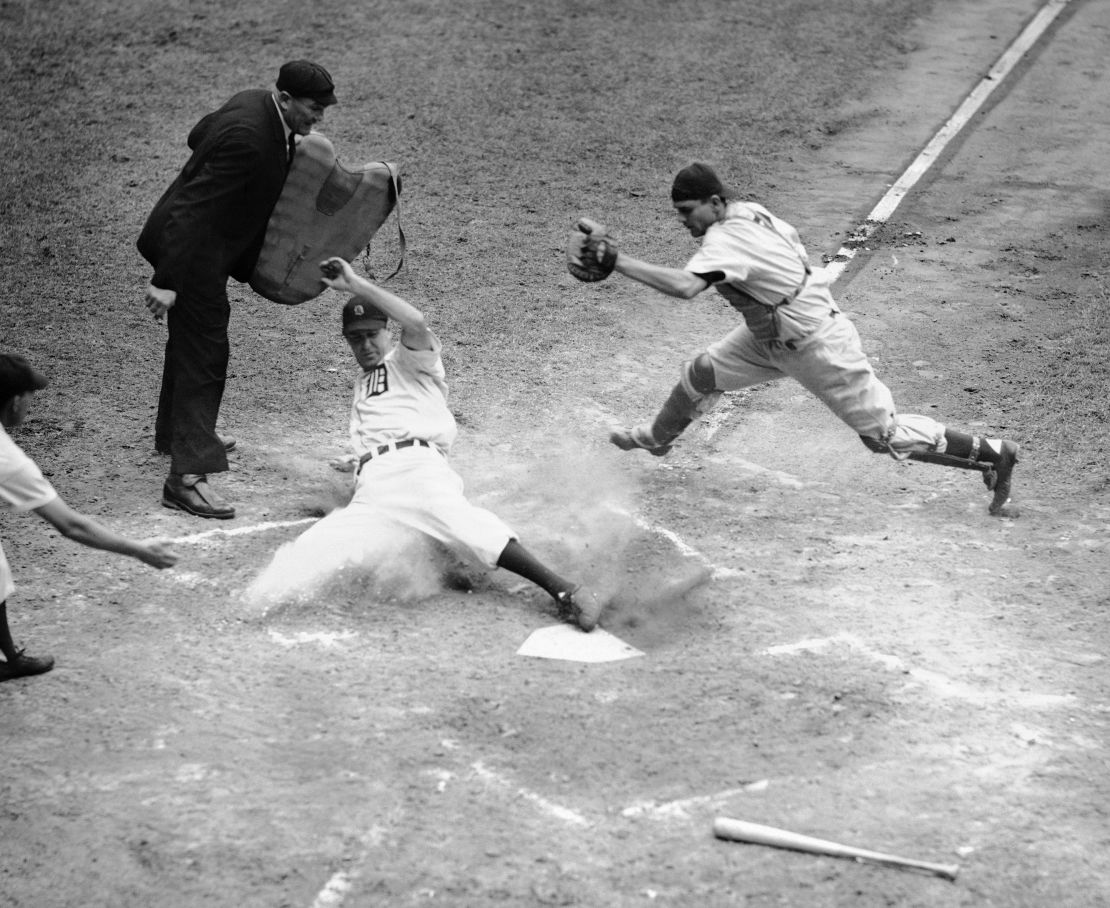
<point>22,488</point>
<point>758,263</point>
<point>404,397</point>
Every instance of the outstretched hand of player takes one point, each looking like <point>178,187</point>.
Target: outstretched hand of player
<point>157,553</point>
<point>338,274</point>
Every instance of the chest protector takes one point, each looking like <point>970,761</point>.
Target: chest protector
<point>762,316</point>
<point>324,210</point>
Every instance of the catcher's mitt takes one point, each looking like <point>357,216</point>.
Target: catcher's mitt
<point>591,253</point>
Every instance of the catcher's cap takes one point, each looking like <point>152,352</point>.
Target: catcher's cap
<point>305,79</point>
<point>697,181</point>
<point>17,376</point>
<point>360,313</point>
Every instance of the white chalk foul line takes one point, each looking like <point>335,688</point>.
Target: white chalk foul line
<point>677,541</point>
<point>242,531</point>
<point>338,887</point>
<point>682,807</point>
<point>929,154</point>
<point>560,813</point>
<point>938,683</point>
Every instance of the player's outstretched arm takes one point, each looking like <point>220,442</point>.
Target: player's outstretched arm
<point>415,334</point>
<point>671,281</point>
<point>80,528</point>
<point>592,255</point>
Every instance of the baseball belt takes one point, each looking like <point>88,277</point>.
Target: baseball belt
<point>393,446</point>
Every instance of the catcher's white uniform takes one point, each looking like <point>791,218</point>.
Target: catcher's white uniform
<point>792,326</point>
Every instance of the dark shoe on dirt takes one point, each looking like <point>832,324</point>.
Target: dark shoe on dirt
<point>190,492</point>
<point>998,480</point>
<point>23,665</point>
<point>637,437</point>
<point>229,444</point>
<point>581,606</point>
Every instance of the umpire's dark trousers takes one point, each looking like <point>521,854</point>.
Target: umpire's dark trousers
<point>193,379</point>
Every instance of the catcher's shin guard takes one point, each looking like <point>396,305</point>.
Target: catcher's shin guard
<point>994,459</point>
<point>948,460</point>
<point>962,452</point>
<point>694,396</point>
<point>677,412</point>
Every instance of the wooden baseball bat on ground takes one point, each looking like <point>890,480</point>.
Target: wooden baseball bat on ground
<point>742,831</point>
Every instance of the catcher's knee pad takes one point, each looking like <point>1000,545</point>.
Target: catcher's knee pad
<point>875,445</point>
<point>884,446</point>
<point>700,383</point>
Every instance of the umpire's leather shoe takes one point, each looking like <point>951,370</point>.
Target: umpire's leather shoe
<point>582,606</point>
<point>190,492</point>
<point>228,442</point>
<point>998,480</point>
<point>23,665</point>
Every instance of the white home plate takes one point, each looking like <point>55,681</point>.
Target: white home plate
<point>561,641</point>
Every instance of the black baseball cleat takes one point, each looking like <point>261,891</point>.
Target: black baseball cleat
<point>637,437</point>
<point>191,493</point>
<point>581,606</point>
<point>23,665</point>
<point>998,480</point>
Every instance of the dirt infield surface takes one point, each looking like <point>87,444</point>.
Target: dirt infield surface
<point>874,660</point>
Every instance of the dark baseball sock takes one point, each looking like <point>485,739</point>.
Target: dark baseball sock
<point>960,444</point>
<point>7,647</point>
<point>516,558</point>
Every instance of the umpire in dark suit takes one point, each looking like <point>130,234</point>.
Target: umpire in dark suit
<point>209,226</point>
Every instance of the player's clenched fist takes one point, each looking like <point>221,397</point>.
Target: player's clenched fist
<point>338,274</point>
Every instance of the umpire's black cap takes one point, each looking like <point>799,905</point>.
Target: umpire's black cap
<point>305,79</point>
<point>17,376</point>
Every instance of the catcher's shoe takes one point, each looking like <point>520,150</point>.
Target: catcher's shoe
<point>582,606</point>
<point>637,437</point>
<point>23,665</point>
<point>998,478</point>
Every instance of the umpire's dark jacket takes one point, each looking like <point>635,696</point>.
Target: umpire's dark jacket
<point>211,221</point>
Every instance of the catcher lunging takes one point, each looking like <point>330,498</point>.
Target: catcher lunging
<point>792,327</point>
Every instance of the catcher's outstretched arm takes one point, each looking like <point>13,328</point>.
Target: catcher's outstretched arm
<point>671,281</point>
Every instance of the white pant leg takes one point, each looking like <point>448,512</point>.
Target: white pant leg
<point>356,535</point>
<point>831,364</point>
<point>740,361</point>
<point>417,488</point>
